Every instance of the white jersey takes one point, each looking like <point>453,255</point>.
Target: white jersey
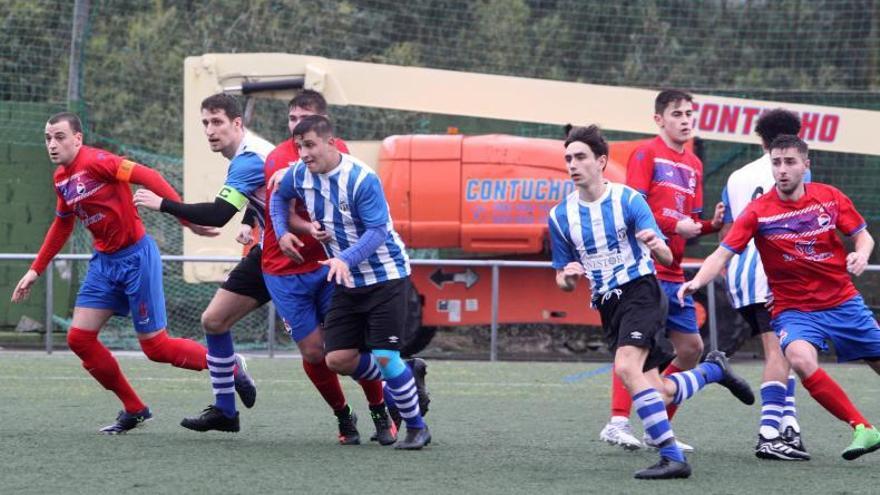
<point>347,201</point>
<point>746,280</point>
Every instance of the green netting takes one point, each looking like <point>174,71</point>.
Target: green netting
<point>819,52</point>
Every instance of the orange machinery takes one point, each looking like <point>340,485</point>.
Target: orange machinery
<point>487,196</point>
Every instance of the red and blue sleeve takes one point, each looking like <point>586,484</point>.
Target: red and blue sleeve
<point>57,236</point>
<point>849,220</point>
<point>742,231</point>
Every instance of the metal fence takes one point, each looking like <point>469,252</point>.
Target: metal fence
<point>495,266</point>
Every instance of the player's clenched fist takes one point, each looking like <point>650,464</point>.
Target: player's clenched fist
<point>856,263</point>
<point>23,289</point>
<point>718,218</point>
<point>650,238</point>
<point>147,199</point>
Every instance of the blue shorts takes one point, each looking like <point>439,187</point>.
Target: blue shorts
<point>850,326</point>
<point>679,319</point>
<point>128,281</point>
<point>302,300</point>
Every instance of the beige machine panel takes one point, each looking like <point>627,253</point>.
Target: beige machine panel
<point>466,94</point>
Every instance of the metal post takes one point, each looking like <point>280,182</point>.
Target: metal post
<point>493,339</point>
<point>50,299</point>
<point>713,324</point>
<point>74,72</point>
<point>270,337</point>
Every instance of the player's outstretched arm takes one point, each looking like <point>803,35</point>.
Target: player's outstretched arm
<point>711,268</point>
<point>57,236</point>
<point>857,260</point>
<point>216,214</point>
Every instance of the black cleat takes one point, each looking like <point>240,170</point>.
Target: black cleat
<point>416,438</point>
<point>730,380</point>
<point>386,430</point>
<point>127,421</point>
<point>793,439</point>
<point>212,418</point>
<point>777,450</point>
<point>244,384</point>
<point>348,432</point>
<point>664,470</point>
<point>419,370</point>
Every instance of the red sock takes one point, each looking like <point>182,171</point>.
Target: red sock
<point>327,383</point>
<point>828,393</point>
<point>671,408</point>
<point>621,402</point>
<point>98,361</point>
<point>180,353</point>
<point>373,391</point>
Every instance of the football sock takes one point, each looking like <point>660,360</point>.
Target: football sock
<point>101,364</point>
<point>389,399</point>
<point>649,406</point>
<point>374,391</point>
<point>789,414</point>
<point>221,364</point>
<point>688,383</point>
<point>402,387</point>
<point>367,368</point>
<point>828,393</point>
<point>772,404</point>
<point>621,402</point>
<point>327,383</point>
<point>180,353</point>
<point>671,408</point>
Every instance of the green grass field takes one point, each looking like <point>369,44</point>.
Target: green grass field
<point>498,428</point>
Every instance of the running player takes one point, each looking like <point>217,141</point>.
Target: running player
<point>124,275</point>
<point>606,232</point>
<point>369,265</point>
<point>671,178</point>
<point>779,435</point>
<point>814,301</point>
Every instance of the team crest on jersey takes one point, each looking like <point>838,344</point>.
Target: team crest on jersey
<point>824,219</point>
<point>679,202</point>
<point>80,187</point>
<point>692,182</point>
<point>621,233</point>
<point>343,206</point>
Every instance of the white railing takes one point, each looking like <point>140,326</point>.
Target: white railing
<point>495,265</point>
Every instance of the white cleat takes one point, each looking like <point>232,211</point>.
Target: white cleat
<point>687,449</point>
<point>620,434</point>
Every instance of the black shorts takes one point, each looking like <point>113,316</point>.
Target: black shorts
<point>635,314</point>
<point>367,318</point>
<point>758,318</point>
<point>246,279</point>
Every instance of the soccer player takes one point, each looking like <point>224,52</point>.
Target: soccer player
<point>368,263</point>
<point>244,289</point>
<point>606,232</point>
<point>671,178</point>
<point>779,434</point>
<point>125,274</point>
<point>302,292</point>
<point>794,226</point>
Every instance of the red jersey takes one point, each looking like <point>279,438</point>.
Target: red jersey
<point>802,254</point>
<point>274,261</point>
<point>672,183</point>
<point>95,188</point>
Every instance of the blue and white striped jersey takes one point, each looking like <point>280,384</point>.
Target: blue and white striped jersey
<point>746,280</point>
<point>347,201</point>
<point>601,235</point>
<point>245,178</point>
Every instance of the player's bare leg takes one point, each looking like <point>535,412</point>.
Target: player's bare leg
<point>82,338</point>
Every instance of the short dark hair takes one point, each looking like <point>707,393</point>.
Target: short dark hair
<point>71,118</point>
<point>775,122</point>
<point>222,101</point>
<point>787,141</point>
<point>310,100</point>
<point>320,124</point>
<point>591,136</point>
<point>668,97</point>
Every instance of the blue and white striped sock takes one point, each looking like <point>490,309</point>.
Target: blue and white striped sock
<point>367,368</point>
<point>772,404</point>
<point>402,389</point>
<point>688,383</point>
<point>221,365</point>
<point>789,413</point>
<point>650,408</point>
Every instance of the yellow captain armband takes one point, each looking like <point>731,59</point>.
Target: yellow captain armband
<point>125,169</point>
<point>233,197</point>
